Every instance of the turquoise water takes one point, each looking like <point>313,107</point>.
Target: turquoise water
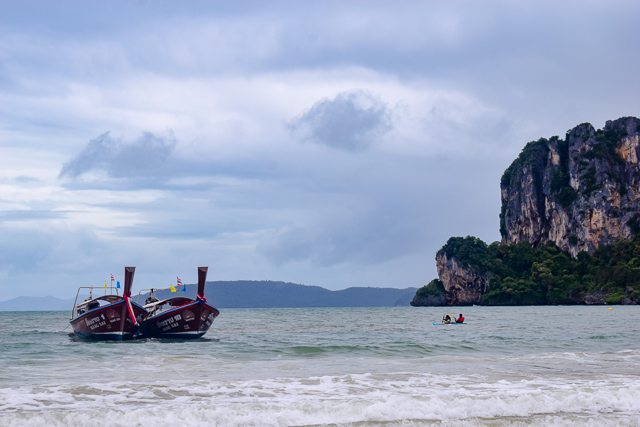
<point>333,366</point>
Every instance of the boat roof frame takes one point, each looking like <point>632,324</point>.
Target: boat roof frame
<point>91,298</point>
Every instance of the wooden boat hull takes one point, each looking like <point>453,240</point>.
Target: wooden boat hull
<point>110,322</point>
<point>189,321</point>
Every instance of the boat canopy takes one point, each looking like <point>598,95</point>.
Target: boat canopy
<point>107,298</point>
<point>173,302</point>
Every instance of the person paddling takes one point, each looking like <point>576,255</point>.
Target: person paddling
<point>460,319</point>
<point>446,319</point>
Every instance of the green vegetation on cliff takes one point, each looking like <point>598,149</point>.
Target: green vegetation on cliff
<point>522,275</point>
<point>468,251</point>
<point>434,288</point>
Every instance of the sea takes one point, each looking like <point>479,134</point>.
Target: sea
<point>506,366</point>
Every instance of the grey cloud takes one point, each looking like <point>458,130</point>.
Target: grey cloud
<point>367,238</point>
<point>21,250</point>
<point>27,249</point>
<point>149,156</point>
<point>33,214</point>
<point>351,121</point>
<point>22,181</point>
<point>444,40</point>
<point>26,180</point>
<point>396,212</point>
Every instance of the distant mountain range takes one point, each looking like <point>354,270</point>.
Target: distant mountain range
<point>250,294</point>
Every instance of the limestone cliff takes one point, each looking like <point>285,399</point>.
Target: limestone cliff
<point>568,207</point>
<point>463,278</point>
<point>463,284</point>
<point>580,192</point>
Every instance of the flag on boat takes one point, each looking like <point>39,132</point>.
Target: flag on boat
<point>184,287</point>
<point>112,278</point>
<point>173,289</point>
<point>118,285</point>
<point>105,284</point>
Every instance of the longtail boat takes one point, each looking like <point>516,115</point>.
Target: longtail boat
<point>180,317</point>
<point>109,316</point>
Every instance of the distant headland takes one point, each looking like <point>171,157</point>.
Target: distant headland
<point>252,294</point>
<point>570,227</point>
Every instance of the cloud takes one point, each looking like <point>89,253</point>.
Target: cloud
<point>351,121</point>
<point>26,180</point>
<point>149,156</point>
<point>362,236</point>
<point>27,248</point>
<point>29,214</point>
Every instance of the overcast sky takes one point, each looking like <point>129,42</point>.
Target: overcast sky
<point>329,143</point>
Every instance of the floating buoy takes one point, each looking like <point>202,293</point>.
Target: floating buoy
<point>610,308</point>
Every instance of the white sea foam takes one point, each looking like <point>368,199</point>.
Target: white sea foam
<point>403,399</point>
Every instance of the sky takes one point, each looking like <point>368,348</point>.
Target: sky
<point>327,143</point>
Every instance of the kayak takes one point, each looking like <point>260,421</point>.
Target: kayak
<point>447,324</point>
